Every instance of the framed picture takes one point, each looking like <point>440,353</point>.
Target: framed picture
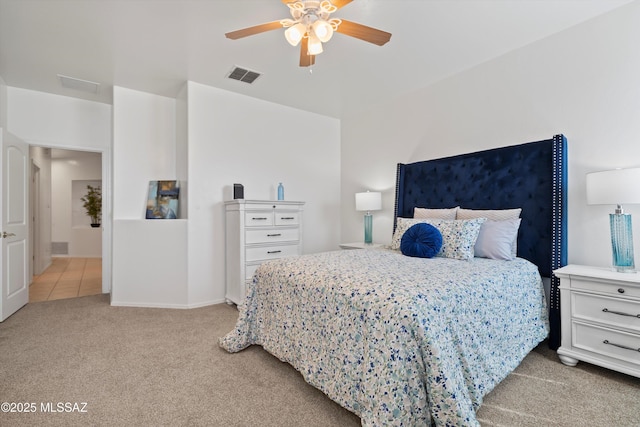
<point>162,200</point>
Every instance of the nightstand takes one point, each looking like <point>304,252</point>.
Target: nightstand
<point>600,310</point>
<point>360,245</point>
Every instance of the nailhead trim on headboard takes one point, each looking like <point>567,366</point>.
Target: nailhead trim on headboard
<point>559,239</point>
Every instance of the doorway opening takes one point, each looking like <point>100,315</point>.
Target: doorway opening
<point>66,250</point>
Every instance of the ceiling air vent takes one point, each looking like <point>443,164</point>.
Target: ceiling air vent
<point>78,84</point>
<point>243,75</point>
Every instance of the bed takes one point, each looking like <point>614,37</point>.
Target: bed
<point>403,340</point>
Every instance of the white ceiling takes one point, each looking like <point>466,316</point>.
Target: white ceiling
<point>157,45</point>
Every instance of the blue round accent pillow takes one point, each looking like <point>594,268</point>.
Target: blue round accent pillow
<point>421,240</point>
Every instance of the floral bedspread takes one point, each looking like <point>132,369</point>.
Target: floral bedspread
<point>397,340</point>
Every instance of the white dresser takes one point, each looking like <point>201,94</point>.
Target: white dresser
<point>600,324</point>
<point>258,231</point>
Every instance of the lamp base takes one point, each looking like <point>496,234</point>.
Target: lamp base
<point>368,228</point>
<point>622,242</point>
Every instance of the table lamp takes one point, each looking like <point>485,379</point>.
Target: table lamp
<point>617,187</point>
<point>368,201</point>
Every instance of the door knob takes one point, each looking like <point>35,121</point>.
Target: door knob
<point>5,234</point>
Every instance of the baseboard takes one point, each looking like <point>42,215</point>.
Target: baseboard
<point>165,305</point>
<point>207,303</point>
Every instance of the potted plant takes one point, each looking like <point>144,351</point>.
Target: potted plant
<point>93,204</point>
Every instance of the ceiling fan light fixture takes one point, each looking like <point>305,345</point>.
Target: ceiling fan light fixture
<point>311,25</point>
<point>295,33</point>
<point>315,45</point>
<point>323,30</point>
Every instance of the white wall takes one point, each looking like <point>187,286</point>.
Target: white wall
<point>582,82</point>
<point>58,121</point>
<point>3,103</point>
<point>42,232</point>
<point>149,256</point>
<point>144,148</point>
<point>238,139</point>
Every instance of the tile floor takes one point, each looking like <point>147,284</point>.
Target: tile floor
<point>67,278</point>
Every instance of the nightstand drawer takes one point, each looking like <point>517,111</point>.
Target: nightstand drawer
<point>607,342</point>
<point>270,252</point>
<point>272,235</point>
<point>257,219</point>
<point>617,289</point>
<point>612,311</point>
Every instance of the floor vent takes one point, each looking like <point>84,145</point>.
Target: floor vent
<point>243,75</point>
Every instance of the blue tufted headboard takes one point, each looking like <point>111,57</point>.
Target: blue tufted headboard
<point>531,176</point>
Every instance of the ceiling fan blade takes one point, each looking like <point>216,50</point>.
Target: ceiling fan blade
<point>362,32</point>
<point>336,3</point>
<point>340,3</point>
<point>306,60</point>
<point>245,32</point>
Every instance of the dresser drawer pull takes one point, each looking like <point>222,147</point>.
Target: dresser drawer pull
<point>273,252</point>
<point>620,346</point>
<point>287,217</point>
<point>259,217</point>
<point>621,290</point>
<point>274,235</point>
<point>620,313</point>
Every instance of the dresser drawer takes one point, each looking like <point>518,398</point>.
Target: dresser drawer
<point>612,311</point>
<point>607,342</point>
<point>258,219</point>
<point>611,288</point>
<point>287,218</point>
<point>272,235</point>
<point>270,252</point>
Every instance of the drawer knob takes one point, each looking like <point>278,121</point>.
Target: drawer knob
<point>260,218</point>
<point>620,290</point>
<point>274,235</point>
<point>287,217</point>
<point>273,252</point>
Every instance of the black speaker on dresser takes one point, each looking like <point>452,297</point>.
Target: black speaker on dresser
<point>238,191</point>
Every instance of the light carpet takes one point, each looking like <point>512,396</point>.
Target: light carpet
<point>82,362</point>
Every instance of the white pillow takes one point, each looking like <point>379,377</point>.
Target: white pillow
<point>494,215</point>
<point>458,236</point>
<point>496,238</point>
<point>435,213</point>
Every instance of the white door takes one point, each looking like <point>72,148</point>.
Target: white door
<point>14,224</point>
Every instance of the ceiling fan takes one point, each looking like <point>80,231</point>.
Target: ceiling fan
<point>312,25</point>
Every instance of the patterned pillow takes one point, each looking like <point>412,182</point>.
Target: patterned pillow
<point>421,240</point>
<point>402,225</point>
<point>435,213</point>
<point>458,236</point>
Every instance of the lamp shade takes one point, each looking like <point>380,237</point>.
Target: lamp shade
<point>369,201</point>
<point>614,187</point>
